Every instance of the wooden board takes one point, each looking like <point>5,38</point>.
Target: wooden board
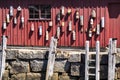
<point>51,59</point>
<point>3,56</point>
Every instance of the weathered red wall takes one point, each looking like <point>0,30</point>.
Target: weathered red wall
<point>23,36</point>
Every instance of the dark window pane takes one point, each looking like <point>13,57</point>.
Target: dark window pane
<point>31,16</point>
<point>40,11</point>
<point>36,16</point>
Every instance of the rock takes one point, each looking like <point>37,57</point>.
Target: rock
<point>118,72</point>
<point>64,76</point>
<point>117,59</point>
<point>38,65</point>
<point>75,69</point>
<point>61,66</point>
<point>6,75</point>
<point>33,76</point>
<point>7,66</point>
<point>21,76</point>
<point>118,50</point>
<point>32,54</point>
<point>62,55</point>
<point>103,72</point>
<point>116,75</point>
<point>19,67</point>
<point>75,58</point>
<point>11,54</point>
<point>54,77</point>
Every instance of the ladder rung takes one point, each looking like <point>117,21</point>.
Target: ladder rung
<point>91,67</point>
<point>92,60</point>
<point>91,74</point>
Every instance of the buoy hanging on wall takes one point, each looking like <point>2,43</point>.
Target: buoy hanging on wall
<point>50,24</point>
<point>19,8</point>
<point>58,16</point>
<point>98,29</point>
<point>40,30</point>
<point>77,14</point>
<point>58,32</point>
<point>90,34</point>
<point>91,22</point>
<point>15,20</point>
<point>4,25</point>
<point>70,26</point>
<point>102,22</point>
<point>11,10</point>
<point>69,11</point>
<point>22,20</point>
<point>63,24</point>
<point>93,14</point>
<point>81,30</point>
<point>73,35</point>
<point>62,10</point>
<point>94,30</point>
<point>8,18</point>
<point>81,20</point>
<point>47,35</point>
<point>32,27</point>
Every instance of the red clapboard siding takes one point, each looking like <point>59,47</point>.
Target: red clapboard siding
<point>21,35</point>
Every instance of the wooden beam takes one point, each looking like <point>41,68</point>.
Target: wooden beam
<point>51,58</point>
<point>114,56</point>
<point>3,56</point>
<point>112,59</point>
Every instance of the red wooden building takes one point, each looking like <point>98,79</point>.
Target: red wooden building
<point>33,22</point>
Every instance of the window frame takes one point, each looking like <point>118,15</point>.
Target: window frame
<point>39,14</point>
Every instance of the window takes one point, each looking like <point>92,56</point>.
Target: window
<point>42,12</point>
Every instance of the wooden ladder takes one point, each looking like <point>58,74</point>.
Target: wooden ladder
<point>3,56</point>
<point>51,58</point>
<point>92,63</point>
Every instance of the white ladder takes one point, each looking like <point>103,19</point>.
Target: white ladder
<point>96,66</point>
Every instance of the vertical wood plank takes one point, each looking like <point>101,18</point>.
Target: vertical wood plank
<point>3,56</point>
<point>114,56</point>
<point>51,58</point>
<point>86,59</point>
<point>111,60</point>
<point>97,60</point>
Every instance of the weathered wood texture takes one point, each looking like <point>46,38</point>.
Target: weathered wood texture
<point>3,56</point>
<point>51,58</point>
<point>111,59</point>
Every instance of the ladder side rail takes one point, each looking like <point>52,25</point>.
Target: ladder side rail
<point>86,60</point>
<point>97,74</point>
<point>110,60</point>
